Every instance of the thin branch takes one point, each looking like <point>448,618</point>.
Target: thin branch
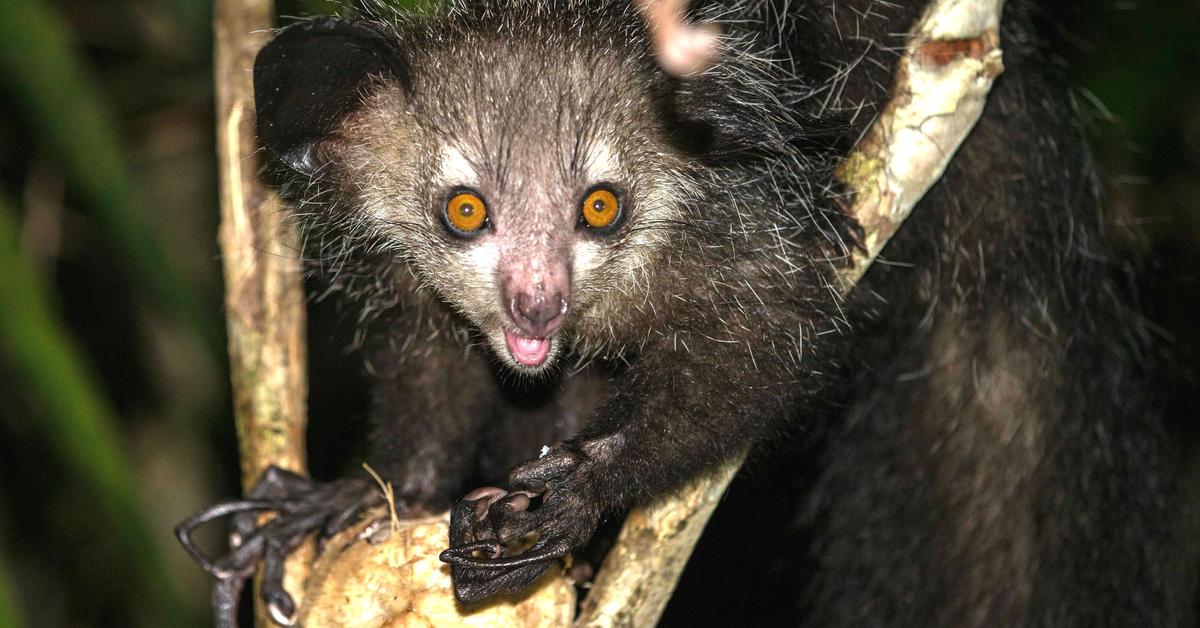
<point>264,290</point>
<point>942,84</point>
<point>639,574</point>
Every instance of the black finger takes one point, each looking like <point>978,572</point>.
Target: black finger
<point>343,518</point>
<point>241,526</point>
<point>463,516</point>
<point>184,530</point>
<point>279,603</point>
<point>459,553</point>
<point>473,586</point>
<point>283,536</point>
<point>240,561</point>
<point>500,511</point>
<point>490,509</point>
<point>244,558</point>
<point>548,552</point>
<point>355,501</point>
<point>276,484</point>
<point>225,598</point>
<point>482,530</point>
<point>519,525</point>
<point>509,519</point>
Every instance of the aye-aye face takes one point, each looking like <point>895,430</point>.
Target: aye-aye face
<point>525,179</point>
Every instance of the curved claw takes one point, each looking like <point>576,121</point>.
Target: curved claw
<point>184,530</point>
<point>302,507</point>
<point>456,556</point>
<point>552,502</point>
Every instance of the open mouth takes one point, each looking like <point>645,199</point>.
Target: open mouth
<point>525,350</point>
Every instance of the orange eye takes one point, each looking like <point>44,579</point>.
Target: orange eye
<point>601,208</point>
<point>466,213</point>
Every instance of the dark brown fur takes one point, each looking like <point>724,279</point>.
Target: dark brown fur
<point>997,460</point>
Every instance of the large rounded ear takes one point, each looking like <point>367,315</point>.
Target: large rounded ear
<point>310,76</point>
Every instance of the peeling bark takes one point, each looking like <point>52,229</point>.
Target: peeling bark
<point>942,83</point>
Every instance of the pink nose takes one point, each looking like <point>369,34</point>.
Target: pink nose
<point>538,313</point>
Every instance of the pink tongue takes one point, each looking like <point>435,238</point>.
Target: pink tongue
<point>527,351</point>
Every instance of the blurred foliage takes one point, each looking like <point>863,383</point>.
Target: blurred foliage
<point>66,110</point>
<point>10,616</point>
<point>114,417</point>
<point>75,416</point>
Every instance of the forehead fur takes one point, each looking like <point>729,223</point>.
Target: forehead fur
<point>564,93</point>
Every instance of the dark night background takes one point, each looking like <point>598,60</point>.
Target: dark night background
<point>114,395</point>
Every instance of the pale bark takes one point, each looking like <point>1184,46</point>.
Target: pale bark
<point>264,290</point>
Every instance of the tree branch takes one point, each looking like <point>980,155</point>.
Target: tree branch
<point>264,290</point>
